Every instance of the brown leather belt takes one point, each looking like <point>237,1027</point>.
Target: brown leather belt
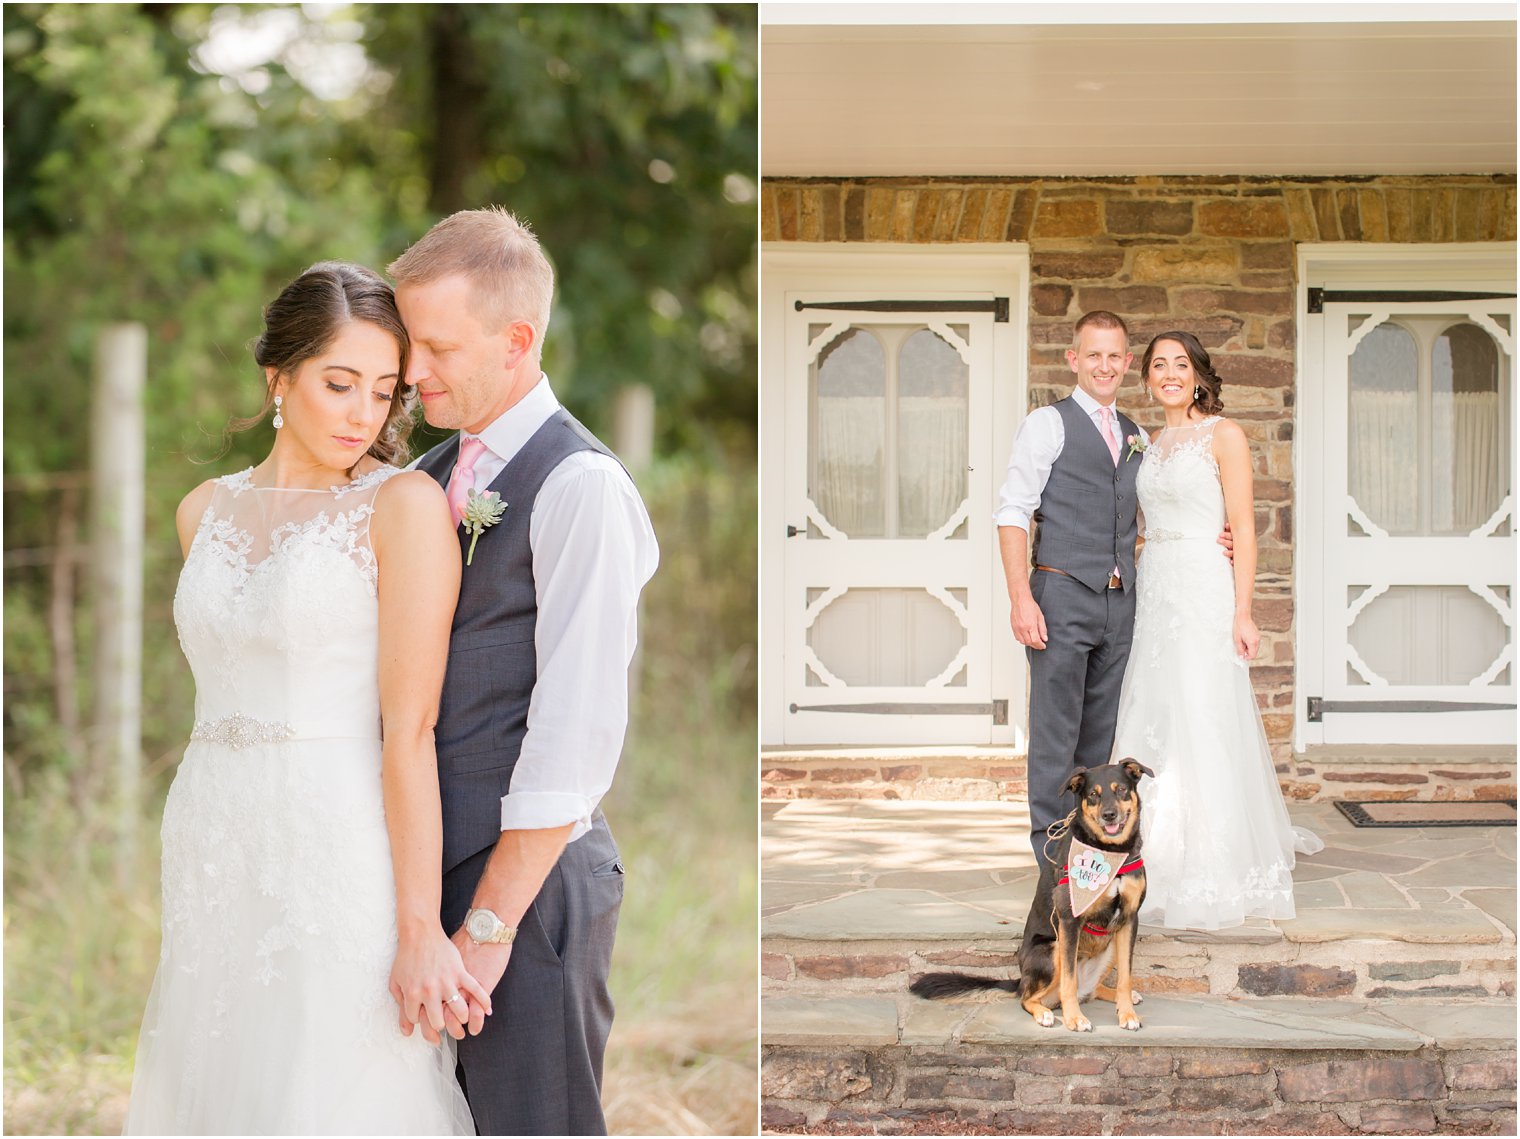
<point>1113,578</point>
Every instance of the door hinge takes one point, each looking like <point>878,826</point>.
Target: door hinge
<point>1000,712</point>
<point>1316,709</point>
<point>1000,310</point>
<point>1317,297</point>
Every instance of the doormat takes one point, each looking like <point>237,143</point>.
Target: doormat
<point>1487,813</point>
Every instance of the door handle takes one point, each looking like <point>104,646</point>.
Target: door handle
<point>792,532</point>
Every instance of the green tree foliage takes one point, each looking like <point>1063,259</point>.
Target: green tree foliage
<point>139,189</point>
<point>176,164</point>
<point>627,135</point>
<point>150,176</point>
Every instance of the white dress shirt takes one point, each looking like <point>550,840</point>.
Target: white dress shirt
<point>1036,447</point>
<point>593,550</point>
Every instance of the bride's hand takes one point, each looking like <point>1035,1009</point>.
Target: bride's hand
<point>426,973</point>
<point>1247,638</point>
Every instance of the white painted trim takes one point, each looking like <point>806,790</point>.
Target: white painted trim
<point>1001,267</point>
<point>1354,264</point>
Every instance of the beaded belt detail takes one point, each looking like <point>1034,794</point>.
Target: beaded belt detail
<point>240,731</point>
<point>1157,534</point>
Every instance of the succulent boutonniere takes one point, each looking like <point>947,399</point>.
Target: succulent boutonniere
<point>1137,445</point>
<point>480,511</point>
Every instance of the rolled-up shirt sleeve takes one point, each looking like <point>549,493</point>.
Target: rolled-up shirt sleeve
<point>593,551</point>
<point>1035,449</point>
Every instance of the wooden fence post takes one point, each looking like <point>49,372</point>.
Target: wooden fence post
<point>117,474</point>
<point>633,442</point>
<point>633,426</point>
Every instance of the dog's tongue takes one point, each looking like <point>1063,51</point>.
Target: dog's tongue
<point>1112,828</point>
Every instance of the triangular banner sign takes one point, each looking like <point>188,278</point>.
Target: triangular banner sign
<point>1090,871</point>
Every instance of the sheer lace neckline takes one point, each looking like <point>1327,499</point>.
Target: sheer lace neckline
<point>243,480</point>
<point>1205,422</point>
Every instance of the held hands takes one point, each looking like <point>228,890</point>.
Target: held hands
<point>487,962</point>
<point>1227,540</point>
<point>1247,638</point>
<point>1028,622</point>
<point>429,970</point>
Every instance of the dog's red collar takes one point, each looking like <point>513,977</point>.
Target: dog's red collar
<point>1095,930</point>
<point>1134,863</point>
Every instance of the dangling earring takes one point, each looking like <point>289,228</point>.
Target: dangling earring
<point>1150,393</point>
<point>279,420</point>
<point>1197,392</point>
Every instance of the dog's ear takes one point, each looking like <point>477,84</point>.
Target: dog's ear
<point>1077,783</point>
<point>1134,769</point>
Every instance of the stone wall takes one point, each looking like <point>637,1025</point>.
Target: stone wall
<point>1211,254</point>
<point>974,775</point>
<point>1136,1091</point>
<point>987,776</point>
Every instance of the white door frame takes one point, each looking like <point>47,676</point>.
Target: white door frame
<point>1001,268</point>
<point>1458,266</point>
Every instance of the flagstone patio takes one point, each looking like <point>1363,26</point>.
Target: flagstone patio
<point>1403,946</point>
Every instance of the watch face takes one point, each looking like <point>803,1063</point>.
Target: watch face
<point>481,925</point>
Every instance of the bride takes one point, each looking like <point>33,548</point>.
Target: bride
<point>1218,844</point>
<point>301,842</point>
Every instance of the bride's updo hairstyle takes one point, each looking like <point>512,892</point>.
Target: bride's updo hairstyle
<point>306,317</point>
<point>1203,369</point>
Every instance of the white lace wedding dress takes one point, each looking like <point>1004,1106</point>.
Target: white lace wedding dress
<point>270,1012</point>
<point>1218,846</point>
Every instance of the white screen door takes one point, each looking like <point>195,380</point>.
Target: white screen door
<point>1417,522</point>
<point>888,502</point>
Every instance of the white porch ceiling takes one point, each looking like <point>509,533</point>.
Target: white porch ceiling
<point>1294,96</point>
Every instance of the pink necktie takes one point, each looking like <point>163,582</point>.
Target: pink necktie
<point>1109,435</point>
<point>463,479</point>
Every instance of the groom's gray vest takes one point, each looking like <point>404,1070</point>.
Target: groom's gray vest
<point>1086,517</point>
<point>483,715</point>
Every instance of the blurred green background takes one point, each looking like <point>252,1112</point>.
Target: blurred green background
<point>175,164</point>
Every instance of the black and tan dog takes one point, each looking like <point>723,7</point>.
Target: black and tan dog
<point>1065,956</point>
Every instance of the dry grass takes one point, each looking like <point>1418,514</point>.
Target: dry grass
<point>683,1058</point>
<point>671,1077</point>
<point>682,1077</point>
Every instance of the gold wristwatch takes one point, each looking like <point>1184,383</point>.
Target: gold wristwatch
<point>485,928</point>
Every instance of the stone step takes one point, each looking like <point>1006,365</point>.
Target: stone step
<point>1418,964</point>
<point>895,1064</point>
<point>1434,774</point>
<point>861,897</point>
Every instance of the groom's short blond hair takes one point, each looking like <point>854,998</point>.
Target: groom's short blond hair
<point>498,254</point>
<point>1099,318</point>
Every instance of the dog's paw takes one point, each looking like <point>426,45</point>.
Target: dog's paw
<point>1046,1019</point>
<point>1078,1023</point>
<point>1135,998</point>
<point>1130,1022</point>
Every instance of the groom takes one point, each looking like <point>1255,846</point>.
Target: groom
<point>535,699</point>
<point>1072,474</point>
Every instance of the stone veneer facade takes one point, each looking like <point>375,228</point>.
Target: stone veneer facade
<point>1211,254</point>
<point>1090,1090</point>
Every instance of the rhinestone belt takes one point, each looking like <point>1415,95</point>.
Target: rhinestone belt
<point>240,731</point>
<point>1157,534</point>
